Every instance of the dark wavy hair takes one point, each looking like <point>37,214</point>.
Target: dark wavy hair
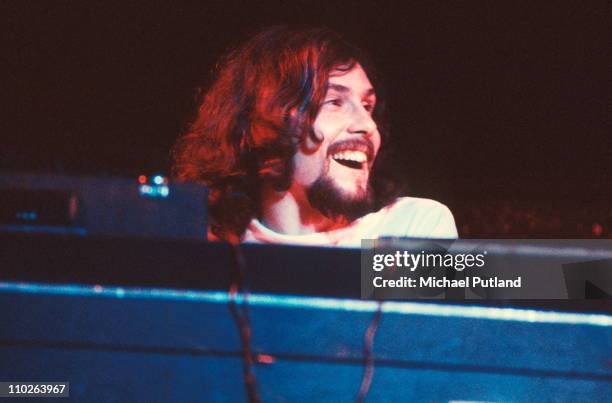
<point>260,107</point>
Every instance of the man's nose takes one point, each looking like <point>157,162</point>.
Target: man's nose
<point>362,122</point>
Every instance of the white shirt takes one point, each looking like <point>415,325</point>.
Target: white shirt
<point>407,217</point>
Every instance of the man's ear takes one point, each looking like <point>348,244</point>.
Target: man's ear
<point>310,142</point>
<point>314,136</point>
<point>307,142</point>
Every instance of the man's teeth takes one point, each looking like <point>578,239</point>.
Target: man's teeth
<point>356,156</point>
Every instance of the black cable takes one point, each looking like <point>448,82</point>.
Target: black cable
<point>368,355</point>
<point>241,316</point>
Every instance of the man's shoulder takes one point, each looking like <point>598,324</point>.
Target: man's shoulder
<point>414,217</point>
<point>413,205</point>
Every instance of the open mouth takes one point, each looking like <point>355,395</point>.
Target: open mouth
<point>350,159</point>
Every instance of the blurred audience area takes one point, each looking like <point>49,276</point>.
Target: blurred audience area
<point>535,219</point>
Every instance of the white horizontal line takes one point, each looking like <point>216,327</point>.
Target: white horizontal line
<point>292,301</point>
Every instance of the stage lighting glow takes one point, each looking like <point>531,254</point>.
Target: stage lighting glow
<point>154,191</point>
<point>265,359</point>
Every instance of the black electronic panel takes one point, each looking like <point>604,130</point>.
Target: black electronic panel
<point>141,207</point>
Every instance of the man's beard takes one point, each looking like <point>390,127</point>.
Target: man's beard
<point>334,203</point>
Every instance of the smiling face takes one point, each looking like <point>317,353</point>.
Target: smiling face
<point>335,171</point>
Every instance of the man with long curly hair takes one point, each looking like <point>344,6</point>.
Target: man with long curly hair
<point>290,140</point>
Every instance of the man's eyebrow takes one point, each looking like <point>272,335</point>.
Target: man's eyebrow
<point>339,88</point>
<point>343,90</point>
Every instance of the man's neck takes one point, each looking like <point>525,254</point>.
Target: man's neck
<point>290,213</point>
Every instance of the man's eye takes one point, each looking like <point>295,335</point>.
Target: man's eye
<point>334,102</point>
<point>368,107</point>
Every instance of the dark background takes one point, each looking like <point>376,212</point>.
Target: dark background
<point>489,100</point>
